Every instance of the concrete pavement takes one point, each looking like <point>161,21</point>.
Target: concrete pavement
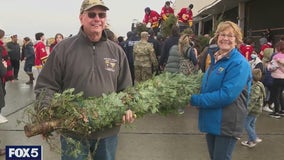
<point>153,137</point>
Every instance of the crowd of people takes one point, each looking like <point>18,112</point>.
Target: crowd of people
<point>155,19</point>
<point>239,81</point>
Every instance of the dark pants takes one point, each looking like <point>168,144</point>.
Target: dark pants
<point>131,67</point>
<point>220,147</point>
<point>102,149</point>
<point>16,66</point>
<point>276,94</point>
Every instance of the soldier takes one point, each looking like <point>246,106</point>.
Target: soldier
<point>144,58</point>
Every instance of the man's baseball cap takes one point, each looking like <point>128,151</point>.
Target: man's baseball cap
<point>88,4</point>
<point>144,34</point>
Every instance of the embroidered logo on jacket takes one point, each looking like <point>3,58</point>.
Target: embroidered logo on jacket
<point>220,70</point>
<point>110,64</point>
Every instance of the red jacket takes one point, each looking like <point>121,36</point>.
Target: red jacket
<point>9,76</point>
<point>263,47</point>
<point>246,51</point>
<point>166,12</point>
<point>153,18</point>
<point>185,15</point>
<point>40,54</point>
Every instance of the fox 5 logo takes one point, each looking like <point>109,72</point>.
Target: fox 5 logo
<point>23,153</point>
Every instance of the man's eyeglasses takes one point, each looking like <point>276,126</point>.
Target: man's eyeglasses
<point>94,14</point>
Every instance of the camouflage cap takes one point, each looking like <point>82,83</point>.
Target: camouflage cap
<point>87,4</point>
<point>144,34</point>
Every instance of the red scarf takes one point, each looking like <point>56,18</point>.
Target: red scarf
<point>9,76</point>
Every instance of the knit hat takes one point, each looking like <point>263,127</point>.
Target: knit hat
<point>267,54</point>
<point>88,4</point>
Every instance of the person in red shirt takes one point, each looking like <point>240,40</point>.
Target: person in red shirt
<point>167,10</point>
<point>185,17</point>
<point>40,53</point>
<point>247,49</point>
<point>6,74</point>
<point>153,18</point>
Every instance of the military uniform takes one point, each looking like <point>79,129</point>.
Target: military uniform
<point>144,58</point>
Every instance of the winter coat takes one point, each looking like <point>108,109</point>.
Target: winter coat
<point>14,50</point>
<point>276,66</point>
<point>173,60</point>
<point>257,97</point>
<point>224,96</point>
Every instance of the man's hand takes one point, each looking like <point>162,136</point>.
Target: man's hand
<point>4,63</point>
<point>129,117</point>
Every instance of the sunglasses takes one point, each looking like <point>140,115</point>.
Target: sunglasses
<point>94,14</point>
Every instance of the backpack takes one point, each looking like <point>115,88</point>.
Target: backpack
<point>186,65</point>
<point>209,51</point>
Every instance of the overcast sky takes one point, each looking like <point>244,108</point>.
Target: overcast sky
<point>26,17</point>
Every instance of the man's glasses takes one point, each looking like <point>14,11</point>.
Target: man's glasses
<point>94,14</point>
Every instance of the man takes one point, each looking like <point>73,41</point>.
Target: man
<point>167,10</point>
<point>144,58</point>
<point>14,51</point>
<point>40,53</point>
<point>90,63</point>
<point>128,48</point>
<point>153,18</point>
<point>169,42</point>
<point>185,17</point>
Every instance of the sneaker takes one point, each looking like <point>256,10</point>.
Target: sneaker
<point>281,113</point>
<point>3,119</point>
<point>271,106</point>
<point>248,144</point>
<point>258,140</point>
<point>2,152</point>
<point>180,111</point>
<point>267,109</point>
<point>275,115</point>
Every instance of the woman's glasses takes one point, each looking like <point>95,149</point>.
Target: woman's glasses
<point>94,14</point>
<point>229,36</point>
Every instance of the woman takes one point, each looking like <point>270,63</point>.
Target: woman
<point>182,57</point>
<point>58,37</point>
<point>28,51</point>
<point>276,66</point>
<point>223,100</point>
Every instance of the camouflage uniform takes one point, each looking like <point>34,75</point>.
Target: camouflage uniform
<point>144,58</point>
<point>257,97</point>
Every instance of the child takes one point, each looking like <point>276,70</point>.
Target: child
<point>257,96</point>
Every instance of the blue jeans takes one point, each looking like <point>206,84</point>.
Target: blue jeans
<point>105,149</point>
<point>220,147</point>
<point>250,128</point>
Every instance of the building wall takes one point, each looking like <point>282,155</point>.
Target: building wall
<point>258,16</point>
<point>262,15</point>
<point>197,5</point>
